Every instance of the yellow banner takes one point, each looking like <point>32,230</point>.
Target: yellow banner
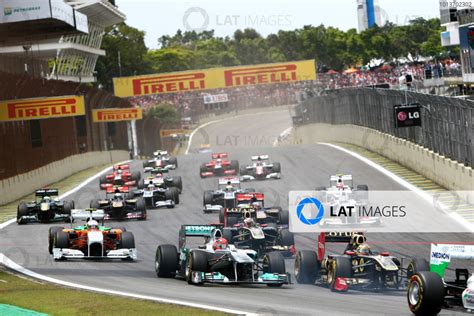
<point>41,108</point>
<point>116,114</point>
<point>215,78</point>
<point>171,132</point>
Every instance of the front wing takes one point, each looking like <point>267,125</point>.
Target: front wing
<point>216,277</point>
<point>66,253</point>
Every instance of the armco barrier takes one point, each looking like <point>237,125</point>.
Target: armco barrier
<point>13,188</point>
<point>446,172</point>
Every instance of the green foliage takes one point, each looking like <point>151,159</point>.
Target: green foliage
<point>164,112</point>
<point>331,47</point>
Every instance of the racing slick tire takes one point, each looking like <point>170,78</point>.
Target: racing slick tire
<point>178,183</point>
<point>273,262</point>
<point>276,167</point>
<point>169,195</point>
<point>307,267</point>
<point>228,234</point>
<point>127,241</point>
<point>243,170</point>
<point>166,261</point>
<point>362,187</point>
<point>207,198</point>
<point>95,204</point>
<point>231,221</point>
<point>234,165</point>
<point>141,207</point>
<point>22,210</point>
<point>221,216</point>
<point>202,169</point>
<point>141,184</point>
<point>136,176</point>
<point>173,161</point>
<point>287,237</point>
<point>341,267</point>
<point>175,193</point>
<point>103,179</point>
<point>417,265</point>
<point>67,207</point>
<point>197,261</point>
<point>61,240</point>
<point>51,233</point>
<point>284,217</point>
<point>425,293</point>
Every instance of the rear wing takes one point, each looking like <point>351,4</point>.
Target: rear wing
<point>260,157</point>
<point>47,192</point>
<point>345,177</point>
<point>121,167</point>
<point>206,231</point>
<point>155,170</point>
<point>228,180</point>
<point>248,197</point>
<point>87,214</point>
<point>441,255</point>
<point>219,155</point>
<point>116,189</point>
<point>160,152</point>
<point>333,237</point>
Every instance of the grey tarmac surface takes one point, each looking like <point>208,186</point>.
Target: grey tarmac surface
<point>303,167</point>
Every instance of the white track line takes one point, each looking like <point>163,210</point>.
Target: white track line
<point>14,266</point>
<point>221,120</point>
<point>283,135</point>
<point>424,195</point>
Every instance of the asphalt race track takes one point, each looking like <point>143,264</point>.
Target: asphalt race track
<point>304,167</point>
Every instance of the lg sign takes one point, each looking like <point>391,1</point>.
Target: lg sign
<point>407,115</point>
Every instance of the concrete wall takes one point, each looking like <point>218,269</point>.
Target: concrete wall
<point>14,188</point>
<point>446,172</point>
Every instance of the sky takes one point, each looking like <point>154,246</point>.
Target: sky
<point>165,17</point>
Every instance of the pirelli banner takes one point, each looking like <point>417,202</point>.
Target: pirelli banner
<point>215,78</point>
<point>116,115</point>
<point>41,108</point>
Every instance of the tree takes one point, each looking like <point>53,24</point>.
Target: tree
<point>130,43</point>
<point>164,112</point>
<point>170,59</point>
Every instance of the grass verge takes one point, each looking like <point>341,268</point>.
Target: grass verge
<point>58,300</point>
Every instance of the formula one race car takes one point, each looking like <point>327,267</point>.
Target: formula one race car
<point>263,215</point>
<point>44,208</point>
<point>120,176</point>
<point>219,166</point>
<point>260,170</point>
<point>161,159</point>
<point>341,193</point>
<point>120,205</point>
<point>91,241</point>
<point>262,238</point>
<point>215,261</point>
<point>158,195</point>
<point>158,178</point>
<point>224,196</point>
<point>429,291</point>
<point>358,267</point>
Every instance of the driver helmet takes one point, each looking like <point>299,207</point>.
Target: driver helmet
<point>118,195</point>
<point>46,199</point>
<point>92,224</point>
<point>229,187</point>
<point>220,243</point>
<point>358,239</point>
<point>340,184</point>
<point>219,160</point>
<point>249,222</point>
<point>151,186</point>
<point>364,249</point>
